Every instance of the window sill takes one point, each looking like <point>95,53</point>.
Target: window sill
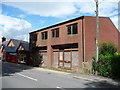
<point>55,37</point>
<point>44,39</point>
<point>70,35</point>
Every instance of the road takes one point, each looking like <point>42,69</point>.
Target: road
<point>20,76</point>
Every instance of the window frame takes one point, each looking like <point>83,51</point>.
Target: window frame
<point>44,35</point>
<point>72,31</point>
<point>55,33</point>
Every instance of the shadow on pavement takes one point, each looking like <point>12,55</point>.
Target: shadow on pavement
<point>8,69</point>
<point>101,84</point>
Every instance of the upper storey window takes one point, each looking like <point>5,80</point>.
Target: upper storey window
<point>33,38</point>
<point>44,35</point>
<point>72,29</point>
<point>55,33</point>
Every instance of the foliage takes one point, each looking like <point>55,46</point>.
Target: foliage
<point>109,60</point>
<point>107,48</point>
<point>21,56</point>
<point>116,65</point>
<point>103,66</point>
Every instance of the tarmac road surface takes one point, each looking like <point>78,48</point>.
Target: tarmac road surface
<point>21,76</point>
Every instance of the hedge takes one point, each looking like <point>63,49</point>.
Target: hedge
<point>108,64</point>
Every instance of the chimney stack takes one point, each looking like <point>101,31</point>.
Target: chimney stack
<point>3,39</point>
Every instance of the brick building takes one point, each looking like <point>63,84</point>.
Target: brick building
<point>70,44</point>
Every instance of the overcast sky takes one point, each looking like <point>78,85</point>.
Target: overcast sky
<point>18,18</point>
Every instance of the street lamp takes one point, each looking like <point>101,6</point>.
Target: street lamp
<point>97,33</point>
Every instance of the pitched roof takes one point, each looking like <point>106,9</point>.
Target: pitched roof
<point>26,45</point>
<point>18,42</point>
<point>10,49</point>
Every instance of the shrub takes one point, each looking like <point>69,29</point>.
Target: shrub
<point>116,65</point>
<point>107,48</point>
<point>109,60</point>
<point>103,66</point>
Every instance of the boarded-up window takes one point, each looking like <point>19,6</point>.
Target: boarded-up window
<point>67,56</point>
<point>61,55</point>
<point>61,59</point>
<point>55,62</point>
<point>67,59</point>
<point>44,59</point>
<point>75,60</point>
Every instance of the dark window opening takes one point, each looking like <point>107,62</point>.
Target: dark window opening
<point>44,35</point>
<point>69,29</point>
<point>65,46</point>
<point>55,32</point>
<point>35,37</point>
<point>72,29</point>
<point>75,29</point>
<point>42,48</point>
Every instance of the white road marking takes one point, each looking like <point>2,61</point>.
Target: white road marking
<point>27,77</point>
<point>60,88</point>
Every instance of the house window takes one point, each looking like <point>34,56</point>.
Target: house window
<point>44,35</point>
<point>55,32</point>
<point>35,37</point>
<point>72,29</point>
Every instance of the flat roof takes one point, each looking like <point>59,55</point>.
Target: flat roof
<point>71,20</point>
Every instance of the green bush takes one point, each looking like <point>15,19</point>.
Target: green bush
<point>108,64</point>
<point>116,65</point>
<point>107,48</point>
<point>103,66</point>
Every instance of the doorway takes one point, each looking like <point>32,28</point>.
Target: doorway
<point>65,59</point>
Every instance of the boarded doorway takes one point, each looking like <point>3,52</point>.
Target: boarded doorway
<point>44,59</point>
<point>65,59</point>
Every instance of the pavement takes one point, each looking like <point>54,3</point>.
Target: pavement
<point>22,76</point>
<point>92,78</point>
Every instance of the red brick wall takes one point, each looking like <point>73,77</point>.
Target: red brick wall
<point>63,37</point>
<point>119,43</point>
<point>107,32</point>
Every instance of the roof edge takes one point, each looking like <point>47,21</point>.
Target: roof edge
<point>71,20</point>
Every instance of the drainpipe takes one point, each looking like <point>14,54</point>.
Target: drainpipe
<point>83,39</point>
